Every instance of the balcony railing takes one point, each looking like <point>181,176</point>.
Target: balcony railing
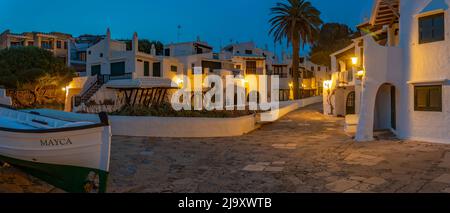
<point>346,77</point>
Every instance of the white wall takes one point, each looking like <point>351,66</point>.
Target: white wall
<point>424,62</point>
<point>181,127</point>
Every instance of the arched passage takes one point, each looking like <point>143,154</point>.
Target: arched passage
<point>385,108</point>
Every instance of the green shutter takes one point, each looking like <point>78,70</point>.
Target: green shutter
<point>428,98</point>
<point>96,70</point>
<point>118,69</point>
<point>157,69</point>
<point>146,68</point>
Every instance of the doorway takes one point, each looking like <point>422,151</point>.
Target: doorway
<point>350,104</point>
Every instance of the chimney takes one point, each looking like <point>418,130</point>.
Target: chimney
<point>108,43</point>
<point>153,50</point>
<point>108,34</point>
<point>135,44</point>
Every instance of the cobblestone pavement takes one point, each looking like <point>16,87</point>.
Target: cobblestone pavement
<point>303,152</point>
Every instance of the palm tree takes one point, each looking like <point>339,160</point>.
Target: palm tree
<point>298,22</point>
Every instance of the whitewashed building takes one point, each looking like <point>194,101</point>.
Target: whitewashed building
<point>77,51</point>
<point>311,77</point>
<point>116,75</point>
<point>55,42</point>
<point>401,73</point>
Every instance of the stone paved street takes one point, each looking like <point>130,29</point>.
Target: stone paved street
<point>303,152</point>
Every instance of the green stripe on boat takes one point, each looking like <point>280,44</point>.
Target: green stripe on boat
<point>68,178</point>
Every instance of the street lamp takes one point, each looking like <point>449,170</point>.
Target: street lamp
<point>354,60</point>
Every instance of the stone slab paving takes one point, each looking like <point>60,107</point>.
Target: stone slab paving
<point>304,152</point>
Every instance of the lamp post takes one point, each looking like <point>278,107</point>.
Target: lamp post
<point>359,72</point>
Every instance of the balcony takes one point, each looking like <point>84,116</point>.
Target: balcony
<point>346,78</point>
<point>383,63</point>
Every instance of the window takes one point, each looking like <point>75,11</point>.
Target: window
<point>157,69</point>
<point>278,70</point>
<point>101,55</point>
<point>174,68</point>
<point>167,52</point>
<point>82,56</point>
<point>248,52</point>
<point>30,43</point>
<point>118,69</point>
<point>251,67</point>
<point>16,44</point>
<point>312,69</point>
<point>146,68</point>
<point>95,70</point>
<point>319,68</point>
<point>428,98</point>
<point>58,44</point>
<point>46,44</point>
<point>238,67</point>
<point>211,65</point>
<point>431,28</point>
<point>65,45</point>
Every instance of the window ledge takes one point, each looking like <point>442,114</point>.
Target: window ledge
<point>423,82</point>
<point>429,13</point>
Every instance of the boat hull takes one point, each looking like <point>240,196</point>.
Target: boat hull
<point>75,160</point>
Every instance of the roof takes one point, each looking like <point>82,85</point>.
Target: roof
<point>250,56</point>
<point>349,47</point>
<point>144,83</point>
<point>198,43</point>
<point>385,12</point>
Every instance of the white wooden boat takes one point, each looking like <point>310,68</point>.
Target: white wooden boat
<point>73,156</point>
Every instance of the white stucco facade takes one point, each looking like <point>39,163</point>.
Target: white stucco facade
<point>394,68</point>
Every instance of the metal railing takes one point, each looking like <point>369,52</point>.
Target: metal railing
<point>346,77</point>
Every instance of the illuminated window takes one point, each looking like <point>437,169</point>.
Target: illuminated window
<point>174,68</point>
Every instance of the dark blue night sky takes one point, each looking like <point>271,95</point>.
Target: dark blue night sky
<point>217,22</point>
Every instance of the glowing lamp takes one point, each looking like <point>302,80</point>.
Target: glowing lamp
<point>327,84</point>
<point>360,73</point>
<point>355,60</point>
<point>291,85</point>
<point>66,88</point>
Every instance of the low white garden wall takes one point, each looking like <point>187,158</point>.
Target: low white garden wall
<point>287,107</point>
<point>5,100</point>
<point>181,127</point>
<point>185,127</point>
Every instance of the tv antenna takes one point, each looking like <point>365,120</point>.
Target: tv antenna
<point>178,33</point>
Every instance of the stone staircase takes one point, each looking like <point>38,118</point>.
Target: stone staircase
<point>90,92</point>
<point>87,94</point>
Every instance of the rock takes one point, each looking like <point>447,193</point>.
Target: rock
<point>254,168</point>
<point>273,169</point>
<point>445,178</point>
<point>341,185</point>
<point>375,181</point>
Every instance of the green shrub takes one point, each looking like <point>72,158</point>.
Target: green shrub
<point>166,110</point>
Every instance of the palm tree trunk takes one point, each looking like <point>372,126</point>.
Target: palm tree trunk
<point>295,66</point>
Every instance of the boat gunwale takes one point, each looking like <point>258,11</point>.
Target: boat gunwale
<point>103,118</point>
